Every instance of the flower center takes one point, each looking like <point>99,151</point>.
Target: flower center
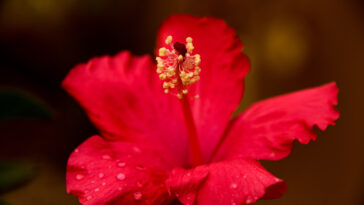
<point>177,67</point>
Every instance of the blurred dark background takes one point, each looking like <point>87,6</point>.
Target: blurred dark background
<point>292,45</point>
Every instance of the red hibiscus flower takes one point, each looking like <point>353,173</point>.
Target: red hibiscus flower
<point>172,139</point>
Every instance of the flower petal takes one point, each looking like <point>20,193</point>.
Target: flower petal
<point>240,181</point>
<point>124,99</point>
<point>101,172</point>
<point>267,129</point>
<point>223,67</point>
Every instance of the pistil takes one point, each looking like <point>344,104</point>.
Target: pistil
<point>178,68</point>
<point>195,148</point>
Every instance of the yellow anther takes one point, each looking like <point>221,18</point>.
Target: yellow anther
<point>189,40</point>
<point>179,95</point>
<point>180,57</point>
<point>170,68</point>
<point>197,96</point>
<point>190,74</point>
<point>174,81</point>
<point>160,66</point>
<point>182,74</point>
<point>168,40</point>
<point>159,70</point>
<point>158,59</point>
<point>165,85</point>
<point>171,85</point>
<point>162,76</point>
<point>166,91</point>
<point>197,61</point>
<point>196,78</point>
<point>189,47</point>
<point>162,51</point>
<point>197,71</point>
<point>185,91</point>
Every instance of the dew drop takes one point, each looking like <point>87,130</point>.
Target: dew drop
<point>97,189</point>
<point>103,183</point>
<point>119,188</point>
<point>89,198</point>
<point>233,186</point>
<point>137,150</point>
<point>137,195</point>
<point>233,203</point>
<point>248,201</point>
<point>120,176</point>
<point>77,150</point>
<point>188,174</point>
<point>139,184</point>
<point>101,175</point>
<point>140,167</point>
<point>106,156</point>
<point>121,164</point>
<point>245,176</point>
<point>79,176</point>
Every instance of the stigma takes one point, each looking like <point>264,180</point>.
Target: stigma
<point>178,67</point>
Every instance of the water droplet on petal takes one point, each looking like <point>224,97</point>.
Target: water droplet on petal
<point>137,150</point>
<point>120,176</point>
<point>140,167</point>
<point>188,174</point>
<point>106,156</point>
<point>97,189</point>
<point>120,188</point>
<point>101,175</point>
<point>89,197</point>
<point>248,200</point>
<point>233,186</point>
<point>103,183</point>
<point>77,150</point>
<point>121,164</point>
<point>139,184</point>
<point>233,203</point>
<point>244,176</point>
<point>79,176</point>
<point>138,195</point>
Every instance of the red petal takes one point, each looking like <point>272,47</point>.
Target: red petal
<point>100,172</point>
<point>241,181</point>
<point>267,129</point>
<point>223,69</point>
<point>123,97</point>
